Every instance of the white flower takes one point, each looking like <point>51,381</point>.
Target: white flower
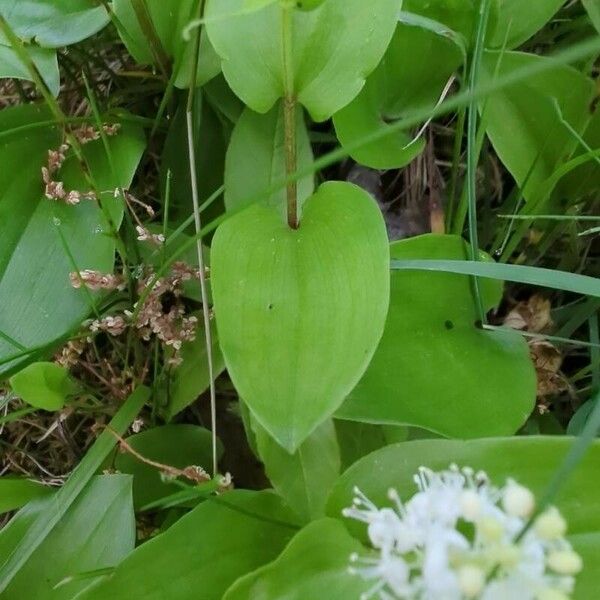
<point>460,538</point>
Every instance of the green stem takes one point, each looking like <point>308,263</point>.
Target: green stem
<point>473,150</point>
<point>198,226</point>
<point>289,115</point>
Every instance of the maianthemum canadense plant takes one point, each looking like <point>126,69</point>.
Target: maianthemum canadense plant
<point>253,309</point>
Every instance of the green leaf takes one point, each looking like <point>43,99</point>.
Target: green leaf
<point>97,532</point>
<point>587,545</point>
<point>304,478</point>
<point>16,492</point>
<point>211,143</point>
<point>39,305</point>
<point>400,84</point>
<point>256,158</point>
<point>204,552</point>
<point>529,460</point>
<point>357,439</point>
<point>314,565</point>
<point>191,377</point>
<point>335,47</point>
<point>44,385</point>
<point>315,301</point>
<point>178,446</point>
<point>522,121</point>
<point>308,4</point>
<point>42,525</point>
<point>45,60</point>
<point>593,9</point>
<point>456,15</point>
<point>54,23</point>
<point>518,21</point>
<point>168,18</point>
<point>434,368</point>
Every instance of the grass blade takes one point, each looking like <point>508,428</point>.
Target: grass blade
<point>65,497</point>
<point>559,280</point>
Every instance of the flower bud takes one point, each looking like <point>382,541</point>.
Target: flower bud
<point>517,500</point>
<point>471,580</point>
<point>551,594</point>
<point>565,562</point>
<point>550,525</point>
<point>490,528</point>
<point>470,505</point>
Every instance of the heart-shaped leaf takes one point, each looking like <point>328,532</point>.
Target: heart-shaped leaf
<point>256,158</point>
<point>314,565</point>
<point>335,47</point>
<point>399,84</point>
<point>43,385</point>
<point>434,368</point>
<point>300,312</point>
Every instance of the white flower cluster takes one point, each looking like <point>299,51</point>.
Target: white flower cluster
<point>460,538</point>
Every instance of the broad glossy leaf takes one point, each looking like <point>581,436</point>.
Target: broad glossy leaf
<point>43,58</point>
<point>335,47</point>
<point>169,18</point>
<point>518,21</point>
<point>522,120</point>
<point>16,492</point>
<point>304,478</point>
<point>300,312</point>
<point>532,461</point>
<point>434,368</point>
<point>174,445</point>
<point>314,565</point>
<point>191,377</point>
<point>38,302</point>
<point>204,552</point>
<point>399,84</point>
<point>256,158</point>
<point>43,385</point>
<point>97,532</point>
<point>54,23</point>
